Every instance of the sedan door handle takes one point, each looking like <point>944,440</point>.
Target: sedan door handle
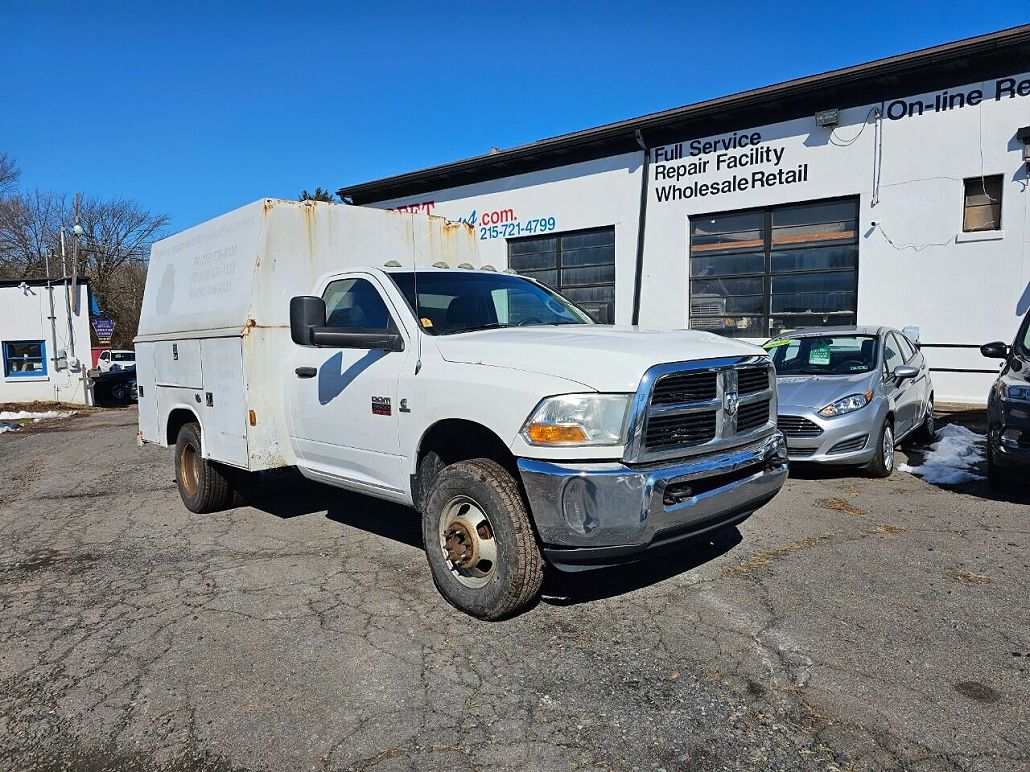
<point>306,372</point>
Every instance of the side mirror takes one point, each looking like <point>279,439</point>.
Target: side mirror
<point>306,313</point>
<point>353,337</point>
<point>901,372</point>
<point>995,350</point>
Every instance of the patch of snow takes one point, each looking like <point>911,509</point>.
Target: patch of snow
<point>27,415</point>
<point>952,457</point>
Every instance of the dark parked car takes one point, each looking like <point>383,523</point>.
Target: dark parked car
<point>1008,410</point>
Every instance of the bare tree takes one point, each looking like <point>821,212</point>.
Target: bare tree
<point>113,253</point>
<point>9,174</point>
<point>30,227</point>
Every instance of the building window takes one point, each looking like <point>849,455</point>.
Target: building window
<point>579,264</point>
<point>981,210</point>
<point>24,359</point>
<point>756,273</point>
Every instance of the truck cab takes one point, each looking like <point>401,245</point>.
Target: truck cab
<point>524,433</point>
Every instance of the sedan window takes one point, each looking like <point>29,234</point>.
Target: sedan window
<point>823,354</point>
<point>892,356</point>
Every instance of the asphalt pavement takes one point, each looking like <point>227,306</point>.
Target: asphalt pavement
<point>850,624</point>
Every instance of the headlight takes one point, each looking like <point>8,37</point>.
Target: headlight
<point>849,404</point>
<point>578,419</point>
<point>1019,393</point>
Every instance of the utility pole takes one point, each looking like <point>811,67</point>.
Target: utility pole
<point>77,230</point>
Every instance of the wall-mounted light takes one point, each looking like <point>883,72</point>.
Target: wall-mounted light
<point>1023,135</point>
<point>828,118</point>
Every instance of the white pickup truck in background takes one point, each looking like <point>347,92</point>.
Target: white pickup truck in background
<point>372,351</point>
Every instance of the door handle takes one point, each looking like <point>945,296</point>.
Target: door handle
<point>306,372</point>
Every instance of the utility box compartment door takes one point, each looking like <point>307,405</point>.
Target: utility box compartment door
<point>178,363</point>
<point>223,409</point>
<point>148,423</point>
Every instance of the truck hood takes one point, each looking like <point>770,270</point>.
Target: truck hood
<point>600,357</point>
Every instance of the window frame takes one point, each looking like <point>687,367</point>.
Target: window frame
<point>558,268</point>
<point>28,374</point>
<point>888,371</point>
<point>966,206</point>
<point>391,322</point>
<point>768,250</point>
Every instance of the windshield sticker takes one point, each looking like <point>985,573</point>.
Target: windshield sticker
<point>819,355</point>
<point>426,322</point>
<point>776,343</point>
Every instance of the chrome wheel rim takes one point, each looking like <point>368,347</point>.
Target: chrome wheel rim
<point>467,542</point>
<point>888,448</point>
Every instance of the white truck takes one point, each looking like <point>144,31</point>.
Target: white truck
<point>373,351</point>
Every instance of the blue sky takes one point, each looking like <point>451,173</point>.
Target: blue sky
<point>195,108</point>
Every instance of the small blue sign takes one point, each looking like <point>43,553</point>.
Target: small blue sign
<point>104,329</point>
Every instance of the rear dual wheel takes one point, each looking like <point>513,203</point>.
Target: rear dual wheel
<point>479,541</point>
<point>204,485</point>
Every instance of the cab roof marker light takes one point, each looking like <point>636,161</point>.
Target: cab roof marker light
<point>440,264</point>
<point>392,264</point>
<point>489,267</point>
<point>511,270</point>
<point>467,266</point>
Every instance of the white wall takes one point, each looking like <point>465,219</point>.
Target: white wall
<point>24,315</point>
<point>916,267</point>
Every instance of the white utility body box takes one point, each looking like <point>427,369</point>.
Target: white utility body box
<point>214,328</point>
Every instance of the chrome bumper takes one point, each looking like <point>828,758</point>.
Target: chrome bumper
<point>608,512</point>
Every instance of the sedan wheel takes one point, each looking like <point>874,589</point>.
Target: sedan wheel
<point>882,463</point>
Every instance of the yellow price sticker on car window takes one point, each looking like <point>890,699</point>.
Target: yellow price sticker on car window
<point>775,343</point>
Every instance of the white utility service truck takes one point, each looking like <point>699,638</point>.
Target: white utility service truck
<point>373,351</point>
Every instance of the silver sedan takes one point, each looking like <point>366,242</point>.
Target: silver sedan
<point>848,395</point>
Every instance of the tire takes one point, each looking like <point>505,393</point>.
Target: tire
<point>882,464</point>
<point>479,541</point>
<point>999,479</point>
<point>203,485</point>
<point>927,431</point>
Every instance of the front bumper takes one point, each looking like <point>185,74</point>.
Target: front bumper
<point>594,514</point>
<point>1011,440</point>
<point>845,439</point>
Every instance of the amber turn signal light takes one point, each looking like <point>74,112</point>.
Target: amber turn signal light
<point>551,434</point>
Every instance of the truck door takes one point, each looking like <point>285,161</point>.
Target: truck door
<point>343,411</point>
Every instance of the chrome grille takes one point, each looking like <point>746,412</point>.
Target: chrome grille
<point>752,379</point>
<point>752,415</point>
<point>698,407</point>
<point>685,387</point>
<point>796,426</point>
<point>673,430</point>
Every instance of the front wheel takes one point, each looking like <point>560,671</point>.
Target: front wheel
<point>479,540</point>
<point>882,463</point>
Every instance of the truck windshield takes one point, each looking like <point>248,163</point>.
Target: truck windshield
<point>458,301</point>
<point>823,355</point>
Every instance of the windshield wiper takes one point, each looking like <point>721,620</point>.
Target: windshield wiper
<point>487,326</point>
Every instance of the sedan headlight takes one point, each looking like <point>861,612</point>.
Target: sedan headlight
<point>578,419</point>
<point>848,404</point>
<point>1018,393</point>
